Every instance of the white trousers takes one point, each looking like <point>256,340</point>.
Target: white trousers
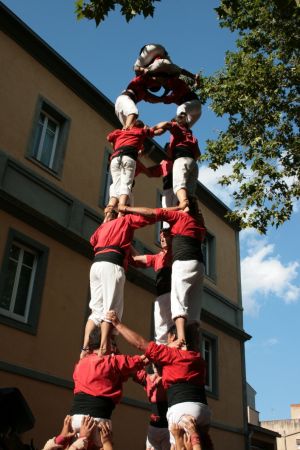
<point>158,438</point>
<point>124,106</point>
<point>107,290</point>
<point>186,291</point>
<point>122,169</point>
<point>185,174</point>
<point>162,317</point>
<point>176,413</point>
<point>192,108</point>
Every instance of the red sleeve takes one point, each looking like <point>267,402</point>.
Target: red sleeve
<point>111,137</point>
<point>140,377</point>
<point>137,221</point>
<point>160,353</point>
<point>175,130</point>
<point>164,215</point>
<point>150,261</point>
<point>128,364</point>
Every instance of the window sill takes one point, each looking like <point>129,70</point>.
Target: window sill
<point>45,168</point>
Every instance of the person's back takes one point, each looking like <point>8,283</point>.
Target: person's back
<point>104,376</point>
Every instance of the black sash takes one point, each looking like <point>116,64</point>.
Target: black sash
<point>94,406</point>
<point>186,248</point>
<point>186,392</point>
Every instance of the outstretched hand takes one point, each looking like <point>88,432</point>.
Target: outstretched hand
<point>105,432</point>
<point>87,426</point>
<point>67,430</point>
<point>112,317</point>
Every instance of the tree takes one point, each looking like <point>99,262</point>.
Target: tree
<point>99,9</point>
<point>259,91</point>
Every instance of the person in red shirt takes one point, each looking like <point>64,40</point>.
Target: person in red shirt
<point>162,264</point>
<point>188,231</point>
<point>184,151</point>
<point>126,146</point>
<point>98,382</point>
<point>137,90</point>
<point>111,242</point>
<point>178,92</point>
<point>183,371</point>
<point>158,437</point>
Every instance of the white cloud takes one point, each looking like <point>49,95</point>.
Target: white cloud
<point>210,178</point>
<point>271,342</point>
<point>263,274</point>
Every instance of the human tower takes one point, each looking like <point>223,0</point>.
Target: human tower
<point>171,369</point>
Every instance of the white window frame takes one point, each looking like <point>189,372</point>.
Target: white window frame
<point>42,138</point>
<point>20,264</point>
<point>208,250</point>
<point>207,340</point>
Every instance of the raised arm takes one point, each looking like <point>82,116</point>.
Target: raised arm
<point>164,125</point>
<point>131,336</point>
<point>139,260</point>
<point>143,211</point>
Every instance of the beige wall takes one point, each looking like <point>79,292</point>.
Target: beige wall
<point>87,136</point>
<point>228,408</point>
<point>289,430</point>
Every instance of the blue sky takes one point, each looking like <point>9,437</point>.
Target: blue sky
<point>270,264</point>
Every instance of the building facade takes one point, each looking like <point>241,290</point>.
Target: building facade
<point>288,430</point>
<point>53,187</point>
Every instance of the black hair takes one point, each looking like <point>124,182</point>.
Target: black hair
<point>165,230</point>
<point>94,339</point>
<point>139,123</point>
<point>192,335</point>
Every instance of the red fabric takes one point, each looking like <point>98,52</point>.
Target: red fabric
<point>104,375</point>
<point>161,170</point>
<point>177,365</point>
<point>139,86</point>
<point>139,168</point>
<point>183,137</point>
<point>178,88</point>
<point>119,232</point>
<point>152,385</point>
<point>134,137</point>
<point>160,260</point>
<point>181,223</point>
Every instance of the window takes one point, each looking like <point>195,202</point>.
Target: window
<point>106,180</point>
<point>22,275</point>
<point>209,252</point>
<point>49,137</point>
<point>209,353</point>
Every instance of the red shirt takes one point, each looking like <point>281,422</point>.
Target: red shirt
<point>134,137</point>
<point>160,260</point>
<point>140,85</point>
<point>181,223</point>
<point>119,233</point>
<point>104,375</point>
<point>183,137</point>
<point>178,365</point>
<point>179,90</point>
<point>152,385</point>
<point>161,170</point>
